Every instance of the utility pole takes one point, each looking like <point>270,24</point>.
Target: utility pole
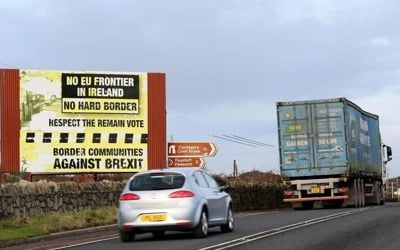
<point>235,170</point>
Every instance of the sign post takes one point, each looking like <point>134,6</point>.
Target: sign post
<point>189,154</point>
<point>186,162</point>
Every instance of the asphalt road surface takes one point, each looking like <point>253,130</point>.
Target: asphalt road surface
<point>372,227</point>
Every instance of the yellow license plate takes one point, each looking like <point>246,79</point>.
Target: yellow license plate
<point>315,190</point>
<point>153,217</point>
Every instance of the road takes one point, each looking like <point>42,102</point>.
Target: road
<point>373,227</point>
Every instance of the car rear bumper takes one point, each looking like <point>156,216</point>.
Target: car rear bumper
<point>178,218</point>
<point>180,226</point>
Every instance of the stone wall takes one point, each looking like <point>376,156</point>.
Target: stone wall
<point>29,198</point>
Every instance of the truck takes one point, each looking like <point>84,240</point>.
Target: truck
<point>331,154</point>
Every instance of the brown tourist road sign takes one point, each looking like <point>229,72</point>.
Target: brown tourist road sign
<point>191,149</point>
<point>185,162</point>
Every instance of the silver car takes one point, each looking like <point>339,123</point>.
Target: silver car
<point>173,199</point>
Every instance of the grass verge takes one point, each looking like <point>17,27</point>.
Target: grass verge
<point>39,225</point>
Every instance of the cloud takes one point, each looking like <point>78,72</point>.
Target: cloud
<point>380,41</point>
<point>227,62</point>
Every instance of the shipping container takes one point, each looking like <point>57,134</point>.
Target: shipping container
<point>64,122</point>
<point>331,152</point>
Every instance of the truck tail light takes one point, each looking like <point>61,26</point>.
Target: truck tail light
<point>181,194</point>
<point>288,193</point>
<point>343,190</point>
<point>129,197</point>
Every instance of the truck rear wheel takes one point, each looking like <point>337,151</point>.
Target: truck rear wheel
<point>378,195</point>
<point>362,193</point>
<point>355,192</point>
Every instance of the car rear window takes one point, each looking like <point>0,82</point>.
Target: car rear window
<point>157,181</point>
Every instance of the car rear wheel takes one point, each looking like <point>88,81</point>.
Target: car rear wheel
<point>230,222</point>
<point>127,236</point>
<point>201,230</point>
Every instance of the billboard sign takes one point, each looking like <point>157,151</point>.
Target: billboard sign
<point>83,121</point>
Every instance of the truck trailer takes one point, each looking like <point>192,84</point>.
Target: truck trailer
<point>331,154</point>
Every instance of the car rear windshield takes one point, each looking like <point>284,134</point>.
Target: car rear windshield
<point>157,181</point>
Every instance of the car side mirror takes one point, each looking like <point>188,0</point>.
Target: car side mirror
<point>389,153</point>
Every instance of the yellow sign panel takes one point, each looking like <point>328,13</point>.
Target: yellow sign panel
<point>83,121</point>
<point>288,115</point>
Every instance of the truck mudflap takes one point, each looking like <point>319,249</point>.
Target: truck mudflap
<point>343,197</point>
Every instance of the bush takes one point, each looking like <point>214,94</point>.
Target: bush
<point>254,190</point>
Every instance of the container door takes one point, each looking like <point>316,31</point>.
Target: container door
<point>329,138</point>
<point>296,140</point>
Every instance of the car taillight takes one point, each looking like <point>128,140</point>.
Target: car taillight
<point>181,194</point>
<point>343,190</point>
<point>129,197</point>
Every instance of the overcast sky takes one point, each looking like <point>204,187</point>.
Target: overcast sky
<point>227,62</point>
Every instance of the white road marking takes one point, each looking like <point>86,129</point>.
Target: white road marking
<point>279,230</point>
<point>85,243</point>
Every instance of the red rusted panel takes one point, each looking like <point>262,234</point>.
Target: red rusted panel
<point>9,120</point>
<point>157,121</point>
